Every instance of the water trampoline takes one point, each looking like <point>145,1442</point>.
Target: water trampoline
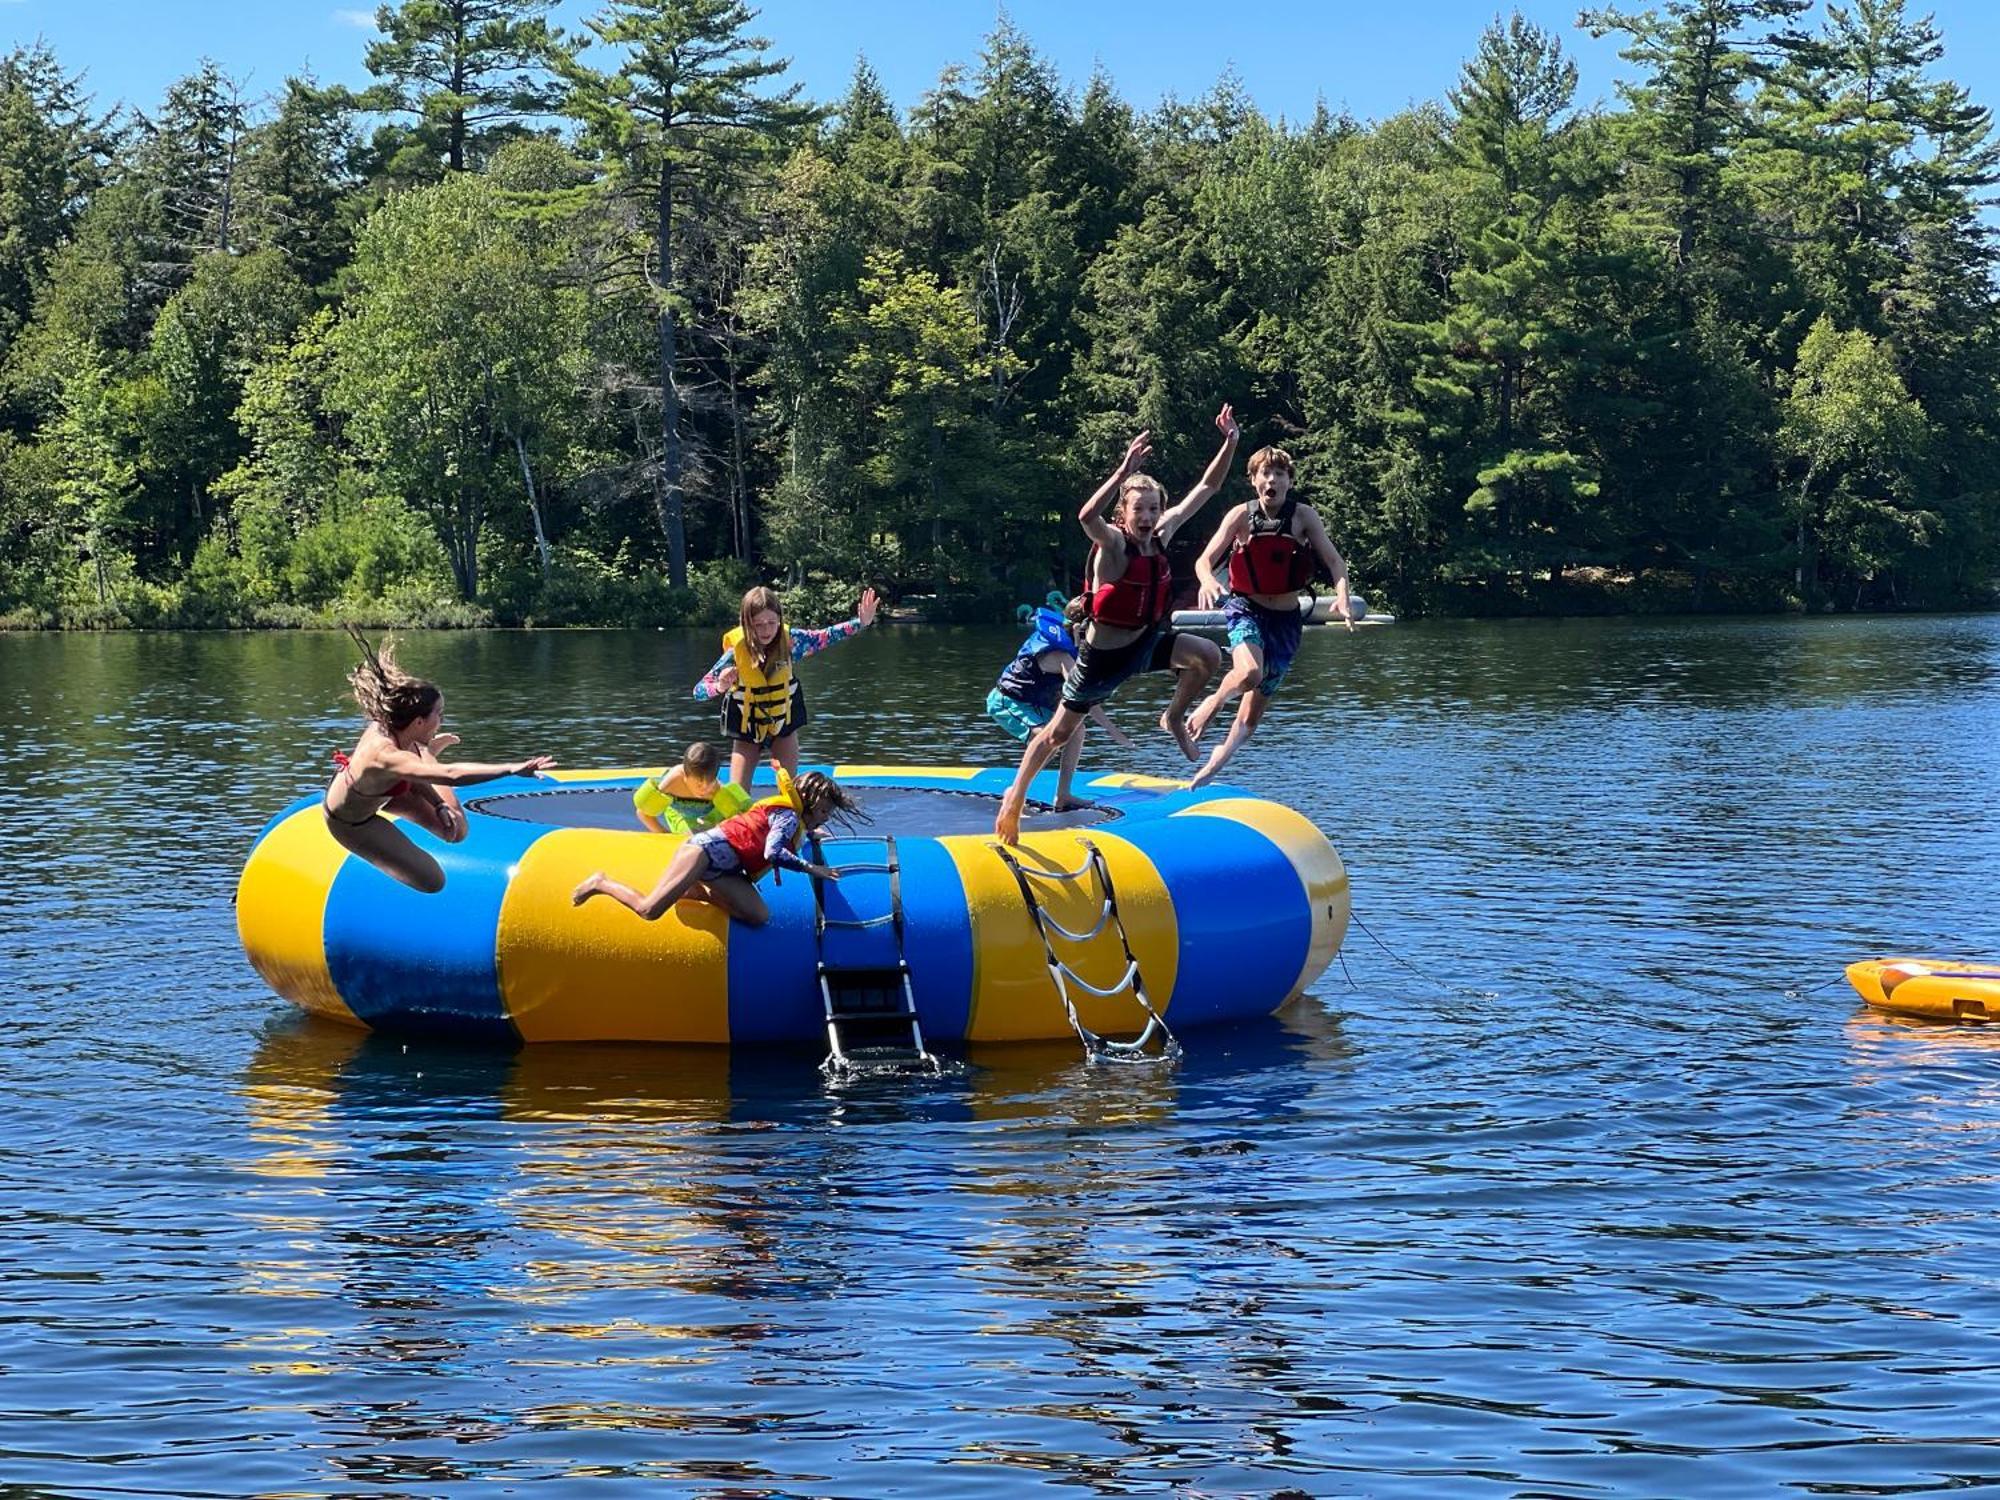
<point>1208,906</point>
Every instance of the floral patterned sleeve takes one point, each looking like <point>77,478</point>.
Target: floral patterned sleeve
<point>806,642</point>
<point>710,685</point>
<point>778,842</point>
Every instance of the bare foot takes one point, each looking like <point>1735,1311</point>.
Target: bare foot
<point>1007,825</point>
<point>1204,715</point>
<point>589,886</point>
<point>1183,734</point>
<point>1204,776</point>
<point>1067,803</point>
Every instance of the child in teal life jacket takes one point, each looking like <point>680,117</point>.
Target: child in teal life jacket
<point>688,797</point>
<point>1030,687</point>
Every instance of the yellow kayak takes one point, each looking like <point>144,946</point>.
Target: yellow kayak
<point>1938,989</point>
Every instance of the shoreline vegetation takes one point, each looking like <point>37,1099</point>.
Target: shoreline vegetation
<point>599,329</point>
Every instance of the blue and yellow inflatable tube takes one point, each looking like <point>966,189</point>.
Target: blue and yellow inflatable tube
<point>1232,904</point>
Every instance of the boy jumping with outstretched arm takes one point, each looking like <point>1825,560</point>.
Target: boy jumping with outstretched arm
<point>1271,543</point>
<point>1128,594</point>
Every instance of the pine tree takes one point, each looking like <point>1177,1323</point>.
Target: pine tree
<point>686,96</point>
<point>191,158</point>
<point>1688,107</point>
<point>52,157</point>
<point>468,70</point>
<point>1863,157</point>
<point>302,169</point>
<point>1489,379</point>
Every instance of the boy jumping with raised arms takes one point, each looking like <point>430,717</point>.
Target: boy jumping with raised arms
<point>1128,593</point>
<point>1271,543</point>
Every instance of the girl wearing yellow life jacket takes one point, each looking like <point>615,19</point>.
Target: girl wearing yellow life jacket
<point>722,865</point>
<point>763,706</point>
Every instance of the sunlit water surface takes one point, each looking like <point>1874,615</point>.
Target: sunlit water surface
<point>1583,1180</point>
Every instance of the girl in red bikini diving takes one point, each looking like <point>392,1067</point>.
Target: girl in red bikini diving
<point>393,768</point>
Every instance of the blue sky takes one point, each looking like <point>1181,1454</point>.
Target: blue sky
<point>1370,57</point>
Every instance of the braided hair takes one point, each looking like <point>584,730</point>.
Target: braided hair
<point>388,695</point>
<point>819,791</point>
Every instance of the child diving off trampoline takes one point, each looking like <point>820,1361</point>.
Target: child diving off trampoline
<point>688,798</point>
<point>1128,595</point>
<point>1030,687</point>
<point>763,706</point>
<point>393,768</point>
<point>720,865</point>
<point>1272,543</point>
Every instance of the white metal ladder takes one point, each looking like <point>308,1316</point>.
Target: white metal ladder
<point>1097,1048</point>
<point>864,984</point>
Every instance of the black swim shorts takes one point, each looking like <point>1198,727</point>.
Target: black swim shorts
<point>1097,673</point>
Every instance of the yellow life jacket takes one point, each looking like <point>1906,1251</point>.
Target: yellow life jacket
<point>788,796</point>
<point>766,697</point>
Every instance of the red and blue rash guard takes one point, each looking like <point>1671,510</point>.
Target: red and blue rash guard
<point>763,837</point>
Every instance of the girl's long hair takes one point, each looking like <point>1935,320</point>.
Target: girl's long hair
<point>756,602</point>
<point>388,695</point>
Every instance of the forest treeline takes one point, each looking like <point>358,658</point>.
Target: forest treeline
<point>530,330</point>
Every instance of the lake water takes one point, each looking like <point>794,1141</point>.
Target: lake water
<point>1588,1178</point>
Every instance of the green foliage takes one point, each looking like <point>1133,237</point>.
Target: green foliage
<point>685,110</point>
<point>466,72</point>
<point>1858,442</point>
<point>51,159</point>
<point>302,180</point>
<point>574,344</point>
<point>452,358</point>
<point>190,155</point>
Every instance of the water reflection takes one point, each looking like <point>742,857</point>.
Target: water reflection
<point>662,1209</point>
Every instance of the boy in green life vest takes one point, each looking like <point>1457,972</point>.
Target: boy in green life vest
<point>688,797</point>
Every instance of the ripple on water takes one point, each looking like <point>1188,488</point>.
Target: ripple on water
<point>1552,1191</point>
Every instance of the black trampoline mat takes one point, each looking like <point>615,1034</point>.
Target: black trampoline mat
<point>904,812</point>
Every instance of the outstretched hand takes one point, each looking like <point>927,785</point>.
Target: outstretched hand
<point>534,766</point>
<point>869,603</point>
<point>443,740</point>
<point>1136,453</point>
<point>1225,421</point>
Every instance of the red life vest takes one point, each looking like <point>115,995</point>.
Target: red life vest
<point>1141,597</point>
<point>1270,560</point>
<point>747,832</point>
